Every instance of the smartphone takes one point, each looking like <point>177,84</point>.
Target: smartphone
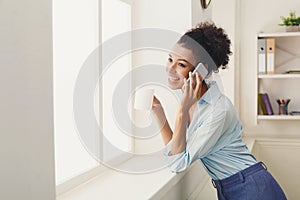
<point>201,69</point>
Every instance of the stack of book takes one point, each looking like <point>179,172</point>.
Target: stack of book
<point>293,72</point>
<point>264,104</point>
<point>295,113</point>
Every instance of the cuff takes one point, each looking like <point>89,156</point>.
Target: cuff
<point>174,161</point>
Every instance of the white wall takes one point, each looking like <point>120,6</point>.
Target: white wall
<point>169,14</point>
<point>26,105</point>
<point>226,18</point>
<point>199,14</point>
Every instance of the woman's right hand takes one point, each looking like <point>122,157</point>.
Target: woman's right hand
<point>158,111</point>
<point>156,106</point>
<point>191,91</point>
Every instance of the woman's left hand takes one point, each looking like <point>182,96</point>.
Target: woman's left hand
<point>191,91</point>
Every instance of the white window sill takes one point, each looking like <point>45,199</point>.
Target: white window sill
<point>112,184</point>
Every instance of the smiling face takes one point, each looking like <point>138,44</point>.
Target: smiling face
<point>180,63</point>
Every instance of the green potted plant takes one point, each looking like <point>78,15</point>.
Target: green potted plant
<point>291,22</point>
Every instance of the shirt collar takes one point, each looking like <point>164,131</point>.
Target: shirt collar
<point>212,94</point>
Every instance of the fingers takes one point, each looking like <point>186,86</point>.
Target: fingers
<point>156,105</point>
<point>199,83</point>
<point>191,90</point>
<point>185,86</point>
<point>192,79</point>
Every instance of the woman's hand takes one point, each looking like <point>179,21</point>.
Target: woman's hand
<point>158,111</point>
<point>191,91</point>
<point>156,106</point>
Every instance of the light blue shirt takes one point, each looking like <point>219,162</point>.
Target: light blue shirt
<point>214,138</point>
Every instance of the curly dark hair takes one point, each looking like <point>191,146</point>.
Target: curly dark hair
<point>214,42</point>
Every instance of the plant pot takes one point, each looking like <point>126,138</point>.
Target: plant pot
<point>292,28</point>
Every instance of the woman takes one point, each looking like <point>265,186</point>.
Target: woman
<point>207,127</point>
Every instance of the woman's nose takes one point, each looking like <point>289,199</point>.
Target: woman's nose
<point>171,67</point>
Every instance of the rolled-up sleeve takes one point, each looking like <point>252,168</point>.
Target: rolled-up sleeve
<point>179,162</point>
<point>199,142</point>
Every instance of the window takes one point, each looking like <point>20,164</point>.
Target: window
<point>113,25</point>
<point>76,26</point>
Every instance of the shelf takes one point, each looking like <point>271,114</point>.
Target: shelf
<point>279,34</point>
<point>278,117</point>
<point>277,76</point>
<point>285,82</point>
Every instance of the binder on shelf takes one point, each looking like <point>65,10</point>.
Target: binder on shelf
<point>261,51</point>
<point>270,50</point>
<point>261,105</point>
<point>267,103</point>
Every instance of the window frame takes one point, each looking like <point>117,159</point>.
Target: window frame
<point>100,168</point>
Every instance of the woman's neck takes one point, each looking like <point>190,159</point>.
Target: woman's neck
<point>204,89</point>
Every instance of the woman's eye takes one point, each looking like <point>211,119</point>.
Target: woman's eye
<point>170,59</point>
<point>181,65</point>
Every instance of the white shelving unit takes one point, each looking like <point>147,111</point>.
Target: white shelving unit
<point>278,76</point>
<point>278,117</point>
<point>279,34</point>
<point>282,85</point>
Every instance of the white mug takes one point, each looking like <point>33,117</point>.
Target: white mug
<point>143,99</point>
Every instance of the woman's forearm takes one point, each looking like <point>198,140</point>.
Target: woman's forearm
<point>166,131</point>
<point>179,136</point>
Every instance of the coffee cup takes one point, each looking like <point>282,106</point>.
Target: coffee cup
<point>143,99</point>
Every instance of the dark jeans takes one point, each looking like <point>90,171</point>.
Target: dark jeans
<point>252,183</point>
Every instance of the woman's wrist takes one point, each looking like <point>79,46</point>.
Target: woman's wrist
<point>182,115</point>
<point>158,110</point>
<point>182,110</point>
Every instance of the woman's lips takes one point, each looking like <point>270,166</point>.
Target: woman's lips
<point>173,80</point>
